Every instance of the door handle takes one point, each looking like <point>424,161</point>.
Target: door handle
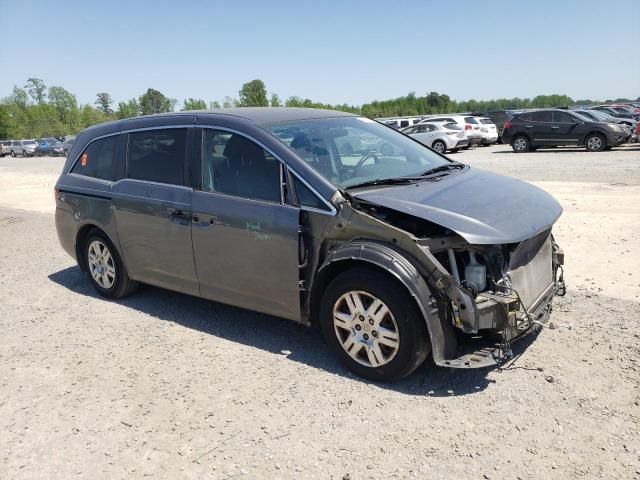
<point>555,128</point>
<point>528,126</point>
<point>178,214</point>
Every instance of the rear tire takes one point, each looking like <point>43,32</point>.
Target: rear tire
<point>107,272</point>
<point>521,144</point>
<point>595,142</point>
<point>381,342</point>
<point>439,146</point>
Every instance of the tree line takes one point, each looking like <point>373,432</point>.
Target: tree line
<point>36,110</point>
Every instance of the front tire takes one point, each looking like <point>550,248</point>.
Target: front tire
<point>521,144</point>
<point>107,272</point>
<point>595,143</point>
<point>13,154</point>
<point>373,325</point>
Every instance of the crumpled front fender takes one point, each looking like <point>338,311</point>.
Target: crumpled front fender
<point>443,341</point>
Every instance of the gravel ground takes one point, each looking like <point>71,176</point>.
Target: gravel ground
<point>170,386</point>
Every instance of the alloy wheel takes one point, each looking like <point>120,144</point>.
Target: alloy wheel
<point>439,147</point>
<point>520,144</point>
<point>594,143</point>
<point>101,264</point>
<point>366,328</point>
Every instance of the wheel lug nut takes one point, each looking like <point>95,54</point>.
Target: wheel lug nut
<point>365,336</point>
<point>371,321</point>
<point>358,327</point>
<point>361,318</point>
<point>374,333</point>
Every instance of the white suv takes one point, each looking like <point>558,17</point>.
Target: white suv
<point>439,136</point>
<point>489,131</point>
<point>468,123</point>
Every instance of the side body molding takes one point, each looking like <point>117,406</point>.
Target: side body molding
<point>394,262</point>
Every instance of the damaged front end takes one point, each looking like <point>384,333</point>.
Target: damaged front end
<point>476,298</point>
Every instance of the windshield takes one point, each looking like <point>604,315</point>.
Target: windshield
<point>582,117</point>
<point>29,142</point>
<point>52,140</point>
<point>352,150</point>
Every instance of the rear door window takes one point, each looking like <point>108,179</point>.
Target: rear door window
<point>99,160</point>
<point>543,117</point>
<point>157,155</point>
<point>471,120</point>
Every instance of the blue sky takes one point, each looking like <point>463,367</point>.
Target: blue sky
<point>329,51</point>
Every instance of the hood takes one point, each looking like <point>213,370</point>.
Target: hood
<point>480,206</point>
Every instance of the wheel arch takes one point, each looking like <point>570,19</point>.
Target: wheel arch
<point>594,132</point>
<point>81,236</point>
<point>399,266</point>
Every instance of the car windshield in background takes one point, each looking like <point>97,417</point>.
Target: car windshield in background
<point>349,151</point>
<point>52,140</point>
<point>583,118</point>
<point>452,126</point>
<point>29,142</point>
<point>486,120</point>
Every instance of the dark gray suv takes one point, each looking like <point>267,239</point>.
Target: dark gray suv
<point>393,250</point>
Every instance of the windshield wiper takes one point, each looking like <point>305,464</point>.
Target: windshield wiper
<point>386,181</point>
<point>444,168</point>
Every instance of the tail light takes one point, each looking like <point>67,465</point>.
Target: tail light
<point>507,125</point>
<point>467,126</point>
<point>56,192</point>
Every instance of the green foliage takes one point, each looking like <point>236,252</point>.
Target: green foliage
<point>36,89</point>
<point>128,109</point>
<point>194,104</point>
<point>35,111</point>
<point>229,102</point>
<point>104,102</point>
<point>253,94</point>
<point>153,101</point>
<point>275,100</point>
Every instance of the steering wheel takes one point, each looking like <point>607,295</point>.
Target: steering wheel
<point>364,158</point>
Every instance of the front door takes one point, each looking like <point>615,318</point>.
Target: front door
<point>245,239</point>
<point>153,210</point>
<point>564,126</point>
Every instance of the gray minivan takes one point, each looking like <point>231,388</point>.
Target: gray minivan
<point>393,250</point>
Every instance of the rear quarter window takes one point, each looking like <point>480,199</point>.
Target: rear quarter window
<point>99,160</point>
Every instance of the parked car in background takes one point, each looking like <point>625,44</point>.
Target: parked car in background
<point>66,146</point>
<point>499,118</point>
<point>5,147</point>
<point>474,136</point>
<point>613,112</point>
<point>554,127</point>
<point>488,130</point>
<point>16,148</point>
<point>392,257</point>
<point>28,148</point>
<point>599,116</point>
<point>400,122</point>
<point>442,137</point>
<point>49,146</point>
